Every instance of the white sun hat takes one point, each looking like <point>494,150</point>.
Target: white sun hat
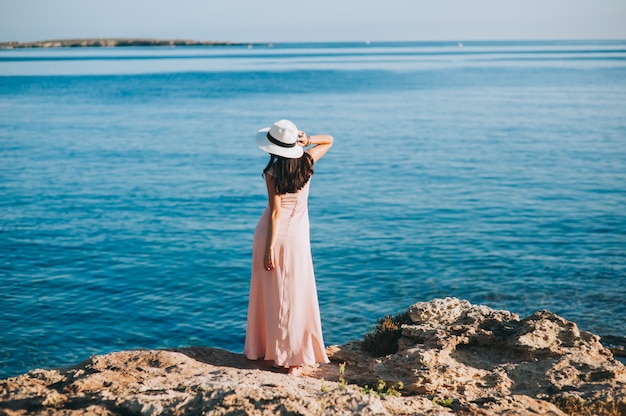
<point>281,139</point>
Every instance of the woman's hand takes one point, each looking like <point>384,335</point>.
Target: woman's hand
<point>268,260</point>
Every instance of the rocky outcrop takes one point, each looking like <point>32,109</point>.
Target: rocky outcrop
<point>109,42</point>
<point>185,382</point>
<point>477,356</point>
<point>454,358</point>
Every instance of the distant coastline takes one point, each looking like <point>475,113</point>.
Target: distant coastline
<point>112,43</point>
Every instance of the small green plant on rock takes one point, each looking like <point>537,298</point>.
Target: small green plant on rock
<point>380,386</point>
<point>380,389</point>
<point>445,402</point>
<point>395,389</point>
<point>342,370</point>
<point>383,338</point>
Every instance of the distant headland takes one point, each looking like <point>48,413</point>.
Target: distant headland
<point>112,43</point>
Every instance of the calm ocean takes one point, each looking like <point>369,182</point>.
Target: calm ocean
<point>131,185</point>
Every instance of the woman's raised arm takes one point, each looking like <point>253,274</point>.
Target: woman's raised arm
<point>321,144</point>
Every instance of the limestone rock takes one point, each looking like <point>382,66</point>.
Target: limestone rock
<point>479,356</point>
<point>181,382</point>
<point>455,358</point>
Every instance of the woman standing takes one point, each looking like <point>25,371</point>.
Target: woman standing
<point>284,323</point>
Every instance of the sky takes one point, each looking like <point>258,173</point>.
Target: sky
<point>313,20</point>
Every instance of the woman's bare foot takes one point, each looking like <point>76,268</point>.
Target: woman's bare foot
<point>295,370</point>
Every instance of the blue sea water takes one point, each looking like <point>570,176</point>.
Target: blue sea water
<point>130,182</point>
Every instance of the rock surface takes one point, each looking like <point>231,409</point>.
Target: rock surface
<point>478,356</point>
<point>455,358</point>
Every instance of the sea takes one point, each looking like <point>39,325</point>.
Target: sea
<point>131,184</point>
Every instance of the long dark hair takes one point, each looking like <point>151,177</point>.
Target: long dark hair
<point>290,175</point>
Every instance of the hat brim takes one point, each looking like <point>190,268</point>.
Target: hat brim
<point>264,144</point>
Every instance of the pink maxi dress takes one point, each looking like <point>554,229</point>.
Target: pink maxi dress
<point>283,313</point>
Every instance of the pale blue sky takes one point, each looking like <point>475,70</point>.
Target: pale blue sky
<point>314,20</point>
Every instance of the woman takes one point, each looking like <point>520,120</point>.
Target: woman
<point>284,323</point>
